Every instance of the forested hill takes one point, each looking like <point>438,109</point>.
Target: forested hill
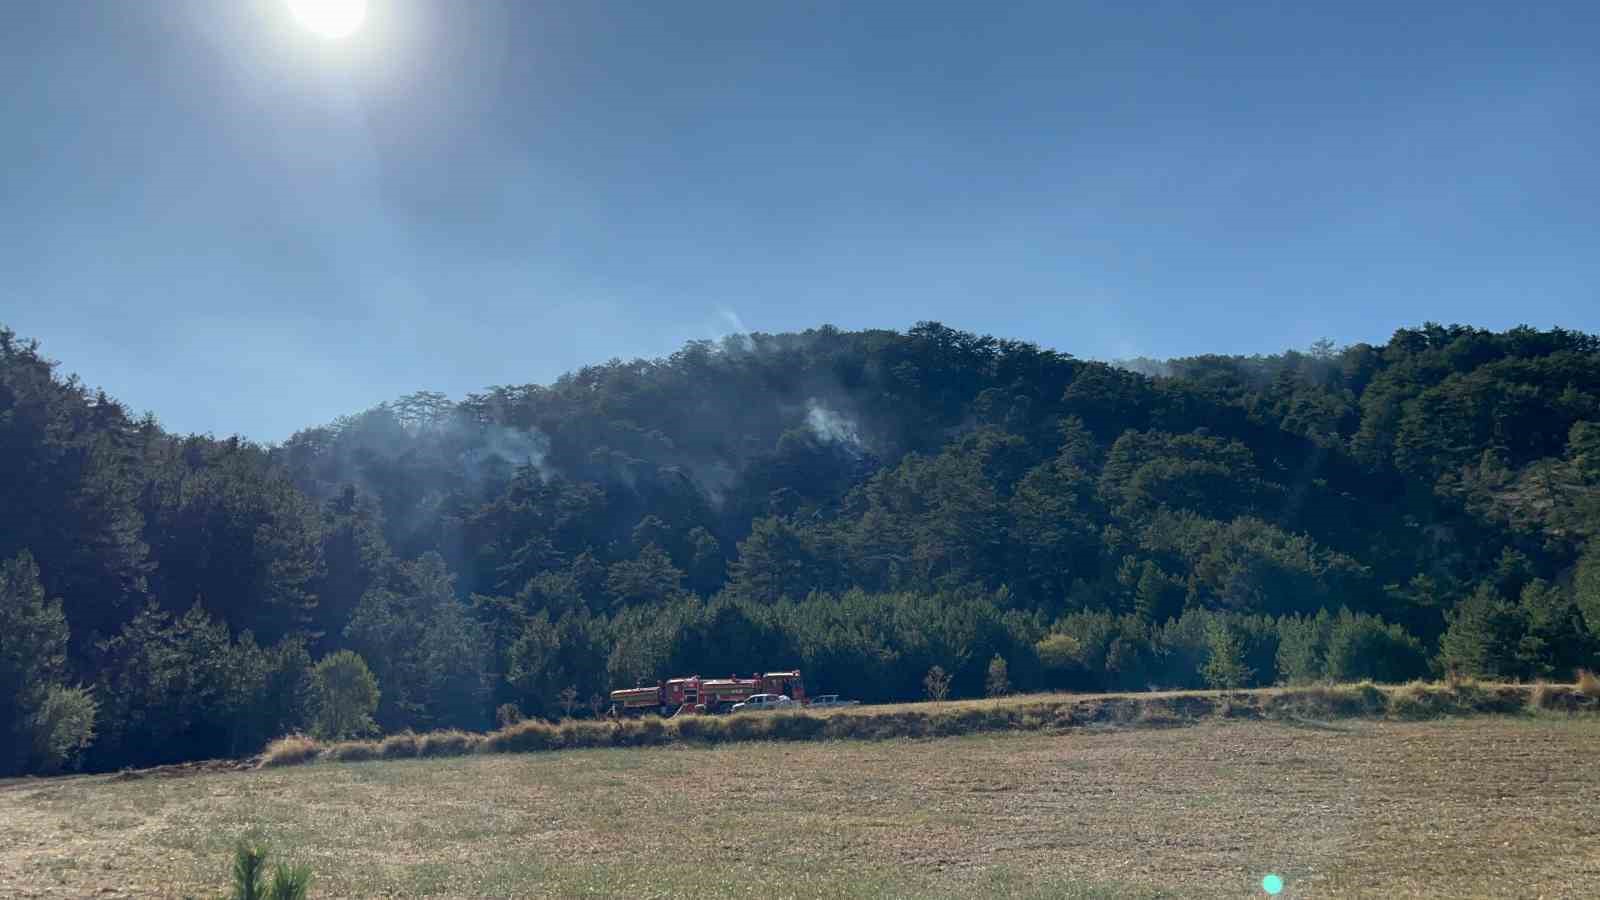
<point>862,505</point>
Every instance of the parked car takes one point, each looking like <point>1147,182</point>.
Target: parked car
<point>764,701</point>
<point>830,701</point>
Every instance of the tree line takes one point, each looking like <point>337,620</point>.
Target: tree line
<point>865,505</point>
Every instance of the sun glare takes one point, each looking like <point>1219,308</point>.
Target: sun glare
<point>330,18</point>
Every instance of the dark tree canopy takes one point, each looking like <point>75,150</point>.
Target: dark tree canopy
<point>863,505</point>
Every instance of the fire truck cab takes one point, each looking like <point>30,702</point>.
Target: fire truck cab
<point>790,684</point>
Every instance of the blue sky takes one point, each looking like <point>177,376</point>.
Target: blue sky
<point>222,218</point>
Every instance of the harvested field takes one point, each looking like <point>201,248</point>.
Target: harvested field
<point>1482,806</point>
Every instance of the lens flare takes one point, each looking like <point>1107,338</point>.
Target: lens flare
<point>1272,884</point>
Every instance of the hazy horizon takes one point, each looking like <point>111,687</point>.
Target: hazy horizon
<point>66,368</point>
<point>202,198</point>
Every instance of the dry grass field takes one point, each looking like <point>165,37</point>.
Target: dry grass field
<point>1459,807</point>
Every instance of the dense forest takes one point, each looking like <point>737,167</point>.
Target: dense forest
<point>862,505</point>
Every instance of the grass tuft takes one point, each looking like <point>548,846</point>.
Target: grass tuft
<point>695,728</point>
<point>1329,702</point>
<point>1544,696</point>
<point>249,870</point>
<point>1420,700</point>
<point>576,734</point>
<point>290,750</point>
<point>453,742</point>
<point>527,736</point>
<point>1588,684</point>
<point>795,726</point>
<point>354,751</point>
<point>648,733</point>
<point>249,874</point>
<point>1559,697</point>
<point>400,746</point>
<point>290,882</point>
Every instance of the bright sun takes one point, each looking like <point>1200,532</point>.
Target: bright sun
<point>330,18</point>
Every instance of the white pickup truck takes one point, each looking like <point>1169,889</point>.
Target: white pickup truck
<point>830,701</point>
<point>758,702</point>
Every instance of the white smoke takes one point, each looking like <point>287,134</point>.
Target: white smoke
<point>1144,365</point>
<point>714,480</point>
<point>739,336</point>
<point>832,427</point>
<point>508,447</point>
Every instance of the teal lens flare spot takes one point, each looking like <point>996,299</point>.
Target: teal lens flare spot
<point>1272,884</point>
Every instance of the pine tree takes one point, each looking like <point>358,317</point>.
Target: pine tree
<point>345,696</point>
<point>1587,587</point>
<point>1226,669</point>
<point>33,644</point>
<point>1152,598</point>
<point>998,681</point>
<point>936,684</point>
<point>1482,637</point>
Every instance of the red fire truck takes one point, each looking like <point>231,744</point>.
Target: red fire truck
<point>705,694</point>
